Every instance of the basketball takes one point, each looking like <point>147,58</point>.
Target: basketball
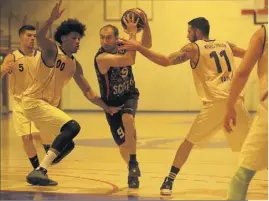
<point>138,13</point>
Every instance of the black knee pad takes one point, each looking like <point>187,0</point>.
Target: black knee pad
<point>68,132</point>
<point>72,126</point>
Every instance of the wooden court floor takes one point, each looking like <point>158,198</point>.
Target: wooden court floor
<point>95,170</point>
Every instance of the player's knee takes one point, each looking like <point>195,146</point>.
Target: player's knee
<point>127,119</point>
<point>72,127</point>
<point>68,132</point>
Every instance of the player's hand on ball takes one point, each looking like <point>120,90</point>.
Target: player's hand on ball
<point>131,24</point>
<point>113,110</point>
<point>131,45</point>
<point>145,16</point>
<point>56,13</point>
<point>230,117</point>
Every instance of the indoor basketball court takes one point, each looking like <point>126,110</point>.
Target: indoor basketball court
<point>95,169</point>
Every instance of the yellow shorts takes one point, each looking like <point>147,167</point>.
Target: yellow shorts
<point>210,121</point>
<point>22,125</point>
<point>254,154</point>
<point>47,118</point>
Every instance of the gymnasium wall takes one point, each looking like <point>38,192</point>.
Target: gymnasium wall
<point>162,89</point>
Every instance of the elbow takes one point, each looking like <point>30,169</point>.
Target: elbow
<point>149,45</point>
<point>165,62</point>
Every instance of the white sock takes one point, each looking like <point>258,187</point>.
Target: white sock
<point>48,159</point>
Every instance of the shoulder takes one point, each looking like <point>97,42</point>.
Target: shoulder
<point>10,57</point>
<point>190,48</point>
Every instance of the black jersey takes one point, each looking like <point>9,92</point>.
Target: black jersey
<point>117,84</point>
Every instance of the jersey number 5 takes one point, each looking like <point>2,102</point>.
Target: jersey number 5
<point>216,58</point>
<point>21,67</point>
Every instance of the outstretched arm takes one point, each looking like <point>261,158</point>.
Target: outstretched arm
<point>186,53</point>
<point>47,45</point>
<point>89,93</point>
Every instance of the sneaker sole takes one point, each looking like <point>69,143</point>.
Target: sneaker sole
<point>41,182</point>
<point>166,192</point>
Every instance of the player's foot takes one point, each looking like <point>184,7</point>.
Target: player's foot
<point>134,170</point>
<point>133,182</point>
<point>67,150</point>
<point>166,188</point>
<point>39,177</point>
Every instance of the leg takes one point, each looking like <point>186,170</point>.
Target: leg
<point>201,130</point>
<point>22,127</point>
<point>124,152</point>
<point>45,140</point>
<point>129,127</point>
<point>118,133</point>
<point>49,119</point>
<point>182,154</point>
<point>254,155</point>
<point>128,120</point>
<point>30,150</point>
<point>239,185</point>
<point>180,159</point>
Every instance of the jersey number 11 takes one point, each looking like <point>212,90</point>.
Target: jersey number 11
<point>216,58</point>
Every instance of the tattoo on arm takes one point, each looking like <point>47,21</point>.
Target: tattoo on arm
<point>183,55</point>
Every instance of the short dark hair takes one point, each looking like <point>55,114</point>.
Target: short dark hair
<point>25,28</point>
<point>200,23</point>
<point>68,26</point>
<point>115,29</point>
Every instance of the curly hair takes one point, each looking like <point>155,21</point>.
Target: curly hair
<point>68,26</point>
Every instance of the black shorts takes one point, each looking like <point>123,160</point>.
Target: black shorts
<point>115,121</point>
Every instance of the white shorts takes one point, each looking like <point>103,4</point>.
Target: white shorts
<point>22,125</point>
<point>254,154</point>
<point>47,118</point>
<point>210,121</point>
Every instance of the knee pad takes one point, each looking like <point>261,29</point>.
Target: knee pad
<point>68,132</point>
<point>71,126</point>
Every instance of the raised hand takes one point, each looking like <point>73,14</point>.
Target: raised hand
<point>56,12</point>
<point>130,23</point>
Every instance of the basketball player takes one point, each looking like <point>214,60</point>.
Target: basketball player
<point>254,154</point>
<point>21,66</point>
<point>212,64</point>
<point>117,87</point>
<point>56,67</point>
